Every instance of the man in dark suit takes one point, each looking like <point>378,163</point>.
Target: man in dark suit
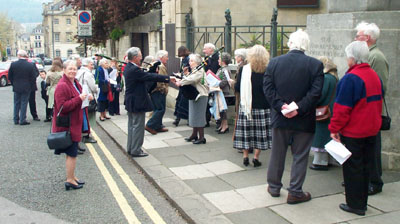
<point>22,77</point>
<point>137,100</point>
<point>32,97</point>
<point>297,78</point>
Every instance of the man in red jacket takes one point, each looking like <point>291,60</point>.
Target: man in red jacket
<point>355,122</point>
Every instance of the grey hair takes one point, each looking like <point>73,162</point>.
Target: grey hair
<point>209,45</point>
<point>161,53</point>
<point>22,53</point>
<point>226,58</point>
<point>87,61</point>
<point>299,40</point>
<point>132,52</point>
<point>370,29</point>
<point>103,61</point>
<point>241,52</point>
<point>74,57</point>
<point>68,62</point>
<point>196,58</point>
<point>358,50</point>
<point>148,59</point>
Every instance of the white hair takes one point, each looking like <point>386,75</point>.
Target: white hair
<point>370,29</point>
<point>103,61</point>
<point>148,59</point>
<point>22,53</point>
<point>358,50</point>
<point>299,40</point>
<point>87,61</point>
<point>132,52</point>
<point>196,58</point>
<point>74,57</point>
<point>68,62</point>
<point>209,45</point>
<point>161,53</point>
<point>241,52</point>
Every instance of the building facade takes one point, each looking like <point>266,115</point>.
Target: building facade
<point>60,29</point>
<point>37,41</point>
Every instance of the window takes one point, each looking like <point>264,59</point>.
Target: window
<point>69,52</point>
<point>56,21</point>
<point>40,44</point>
<point>58,53</point>
<point>68,21</point>
<point>69,37</point>
<point>57,37</point>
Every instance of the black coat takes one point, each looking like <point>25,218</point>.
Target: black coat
<point>212,64</point>
<point>137,98</point>
<point>294,77</point>
<point>22,75</point>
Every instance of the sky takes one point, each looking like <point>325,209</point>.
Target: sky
<point>23,11</point>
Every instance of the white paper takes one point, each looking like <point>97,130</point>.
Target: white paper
<point>338,151</point>
<point>85,90</point>
<point>291,107</point>
<point>212,79</point>
<point>113,82</point>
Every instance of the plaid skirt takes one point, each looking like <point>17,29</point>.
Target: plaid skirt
<point>255,133</point>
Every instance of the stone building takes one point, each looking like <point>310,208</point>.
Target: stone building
<point>24,43</point>
<point>60,29</point>
<point>37,41</point>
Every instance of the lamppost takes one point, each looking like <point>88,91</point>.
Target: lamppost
<point>52,28</point>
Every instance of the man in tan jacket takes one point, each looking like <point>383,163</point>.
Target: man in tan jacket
<point>158,97</point>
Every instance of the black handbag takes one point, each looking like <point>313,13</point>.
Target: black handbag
<point>92,106</point>
<point>62,121</point>
<point>189,92</point>
<point>60,140</point>
<point>386,120</point>
<point>104,87</point>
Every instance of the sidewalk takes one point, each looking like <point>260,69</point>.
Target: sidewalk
<point>209,184</point>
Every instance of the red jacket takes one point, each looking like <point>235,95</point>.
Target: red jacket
<point>66,95</point>
<point>358,104</point>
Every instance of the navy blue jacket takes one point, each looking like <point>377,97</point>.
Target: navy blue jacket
<point>294,77</point>
<point>22,75</point>
<point>137,99</point>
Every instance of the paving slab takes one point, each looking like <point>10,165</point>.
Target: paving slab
<point>198,208</point>
<point>191,172</point>
<point>164,152</point>
<point>154,144</point>
<point>229,201</point>
<point>222,167</point>
<point>149,160</point>
<point>256,216</point>
<point>252,177</point>
<point>176,161</point>
<point>388,200</point>
<point>318,210</point>
<point>162,136</point>
<point>177,142</point>
<point>219,219</point>
<point>174,187</point>
<point>208,184</point>
<point>159,171</point>
<point>259,197</point>
<point>388,218</point>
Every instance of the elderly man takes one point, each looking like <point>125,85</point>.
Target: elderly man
<point>358,99</point>
<point>158,97</point>
<point>76,58</point>
<point>137,100</point>
<point>294,79</point>
<point>369,32</point>
<point>22,76</point>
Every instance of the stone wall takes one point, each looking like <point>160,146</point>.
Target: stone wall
<point>331,33</point>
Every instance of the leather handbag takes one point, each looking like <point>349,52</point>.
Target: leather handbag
<point>92,106</point>
<point>60,140</point>
<point>62,121</point>
<point>323,113</point>
<point>386,120</point>
<point>189,92</point>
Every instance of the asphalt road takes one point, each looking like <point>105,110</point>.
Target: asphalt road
<point>33,177</point>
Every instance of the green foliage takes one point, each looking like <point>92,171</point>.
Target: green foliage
<point>253,41</point>
<point>116,33</point>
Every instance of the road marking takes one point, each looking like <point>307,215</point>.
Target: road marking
<point>153,214</point>
<point>119,197</point>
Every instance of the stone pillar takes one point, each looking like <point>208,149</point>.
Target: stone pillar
<point>331,33</point>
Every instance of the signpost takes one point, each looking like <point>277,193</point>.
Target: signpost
<point>84,25</point>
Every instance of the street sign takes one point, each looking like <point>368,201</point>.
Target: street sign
<point>84,23</point>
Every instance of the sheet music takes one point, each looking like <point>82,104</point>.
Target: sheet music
<point>85,90</point>
<point>338,151</point>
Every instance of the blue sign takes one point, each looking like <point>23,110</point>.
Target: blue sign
<point>84,17</point>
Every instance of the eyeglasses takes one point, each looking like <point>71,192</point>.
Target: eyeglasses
<point>357,36</point>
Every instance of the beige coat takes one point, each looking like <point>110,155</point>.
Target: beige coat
<point>52,80</point>
<point>195,79</point>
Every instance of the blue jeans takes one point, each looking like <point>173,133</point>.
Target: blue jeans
<point>20,106</point>
<point>158,100</point>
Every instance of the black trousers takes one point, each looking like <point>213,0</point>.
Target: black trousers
<point>48,110</point>
<point>32,104</point>
<point>356,170</point>
<point>376,166</point>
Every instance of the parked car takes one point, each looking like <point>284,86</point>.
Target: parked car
<point>4,66</point>
<point>38,62</point>
<point>47,61</point>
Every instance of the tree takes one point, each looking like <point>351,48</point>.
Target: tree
<point>6,34</point>
<point>111,14</point>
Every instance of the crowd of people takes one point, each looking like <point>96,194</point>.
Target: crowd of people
<point>276,102</point>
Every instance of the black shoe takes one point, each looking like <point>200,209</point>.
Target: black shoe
<point>246,161</point>
<point>374,190</point>
<point>346,208</point>
<point>88,139</point>
<point>81,182</point>
<point>47,120</point>
<point>25,123</point>
<point>343,184</point>
<point>176,122</point>
<point>16,123</point>
<point>275,195</point>
<point>256,163</point>
<point>223,132</point>
<point>190,139</point>
<point>207,125</point>
<point>36,119</point>
<point>142,154</point>
<point>68,186</point>
<point>200,141</point>
<point>318,167</point>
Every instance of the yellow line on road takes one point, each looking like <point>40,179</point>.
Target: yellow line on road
<point>153,214</point>
<point>121,200</point>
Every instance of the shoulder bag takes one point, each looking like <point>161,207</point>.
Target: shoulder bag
<point>323,113</point>
<point>386,120</point>
<point>60,140</point>
<point>92,104</point>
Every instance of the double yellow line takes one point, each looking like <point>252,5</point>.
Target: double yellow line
<point>118,195</point>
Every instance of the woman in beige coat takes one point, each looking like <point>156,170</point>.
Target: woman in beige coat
<point>53,76</point>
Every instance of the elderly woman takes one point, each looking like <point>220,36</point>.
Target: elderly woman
<point>68,99</point>
<point>240,57</point>
<point>53,76</point>
<point>224,74</point>
<point>104,86</point>
<point>253,127</point>
<point>198,106</point>
<point>355,122</point>
<point>115,75</point>
<point>322,134</point>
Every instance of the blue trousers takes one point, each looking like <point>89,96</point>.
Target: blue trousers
<point>20,106</point>
<point>158,100</point>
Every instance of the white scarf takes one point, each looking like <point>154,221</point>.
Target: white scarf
<point>246,91</point>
